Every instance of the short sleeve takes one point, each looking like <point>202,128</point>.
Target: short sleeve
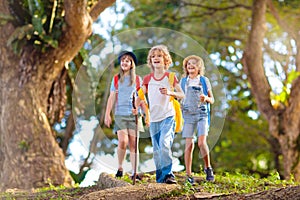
<point>146,80</point>
<point>208,84</point>
<point>112,86</point>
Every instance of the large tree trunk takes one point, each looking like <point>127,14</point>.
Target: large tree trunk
<point>29,155</point>
<point>32,157</point>
<point>284,122</point>
<point>289,138</point>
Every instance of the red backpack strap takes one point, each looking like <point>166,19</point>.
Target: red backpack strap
<point>116,81</point>
<point>116,84</point>
<point>137,82</point>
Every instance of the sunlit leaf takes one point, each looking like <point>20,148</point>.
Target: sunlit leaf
<point>37,24</point>
<point>292,76</point>
<point>20,33</point>
<point>49,40</point>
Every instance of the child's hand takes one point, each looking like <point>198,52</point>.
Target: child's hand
<point>202,98</point>
<point>163,90</point>
<point>147,119</point>
<point>147,113</point>
<point>135,111</point>
<point>107,121</point>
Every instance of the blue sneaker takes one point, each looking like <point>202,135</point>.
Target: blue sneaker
<point>119,174</point>
<point>169,179</point>
<point>209,174</point>
<point>190,179</point>
<point>137,177</point>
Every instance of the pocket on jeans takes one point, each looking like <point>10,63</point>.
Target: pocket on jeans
<point>203,110</point>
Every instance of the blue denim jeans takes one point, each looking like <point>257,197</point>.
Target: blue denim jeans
<point>162,136</point>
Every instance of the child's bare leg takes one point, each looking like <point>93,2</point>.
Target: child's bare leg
<point>122,144</point>
<point>204,150</point>
<point>132,142</point>
<point>188,155</point>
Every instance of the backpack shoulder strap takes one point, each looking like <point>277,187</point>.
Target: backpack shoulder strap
<point>137,82</point>
<point>183,82</point>
<point>205,91</point>
<point>116,81</point>
<point>171,80</point>
<point>203,82</point>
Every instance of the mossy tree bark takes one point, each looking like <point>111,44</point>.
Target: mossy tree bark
<point>29,155</point>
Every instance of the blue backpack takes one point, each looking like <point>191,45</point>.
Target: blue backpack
<point>205,91</point>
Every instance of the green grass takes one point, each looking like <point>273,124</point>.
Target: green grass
<point>236,183</point>
<point>224,183</point>
<point>240,183</point>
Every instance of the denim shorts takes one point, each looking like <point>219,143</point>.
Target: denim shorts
<point>124,122</point>
<point>195,122</point>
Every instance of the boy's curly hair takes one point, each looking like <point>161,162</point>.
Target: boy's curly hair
<point>166,55</point>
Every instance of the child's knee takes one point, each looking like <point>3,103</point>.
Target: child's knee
<point>202,143</point>
<point>189,146</point>
<point>122,144</point>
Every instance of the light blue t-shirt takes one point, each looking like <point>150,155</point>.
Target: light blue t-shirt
<point>123,104</point>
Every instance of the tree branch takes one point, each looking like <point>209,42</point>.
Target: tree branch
<point>78,29</point>
<point>283,24</point>
<point>235,5</point>
<point>100,7</point>
<point>210,10</point>
<point>295,34</point>
<point>253,60</point>
<point>294,105</point>
<point>294,98</point>
<point>79,26</point>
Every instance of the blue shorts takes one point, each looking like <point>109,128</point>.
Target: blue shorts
<point>195,122</point>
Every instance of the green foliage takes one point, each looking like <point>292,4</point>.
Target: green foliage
<point>211,24</point>
<point>17,39</point>
<point>78,178</point>
<point>39,23</point>
<point>5,18</point>
<point>243,147</point>
<point>241,184</point>
<point>23,145</point>
<point>165,14</point>
<point>225,183</point>
<point>283,96</point>
<point>292,76</point>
